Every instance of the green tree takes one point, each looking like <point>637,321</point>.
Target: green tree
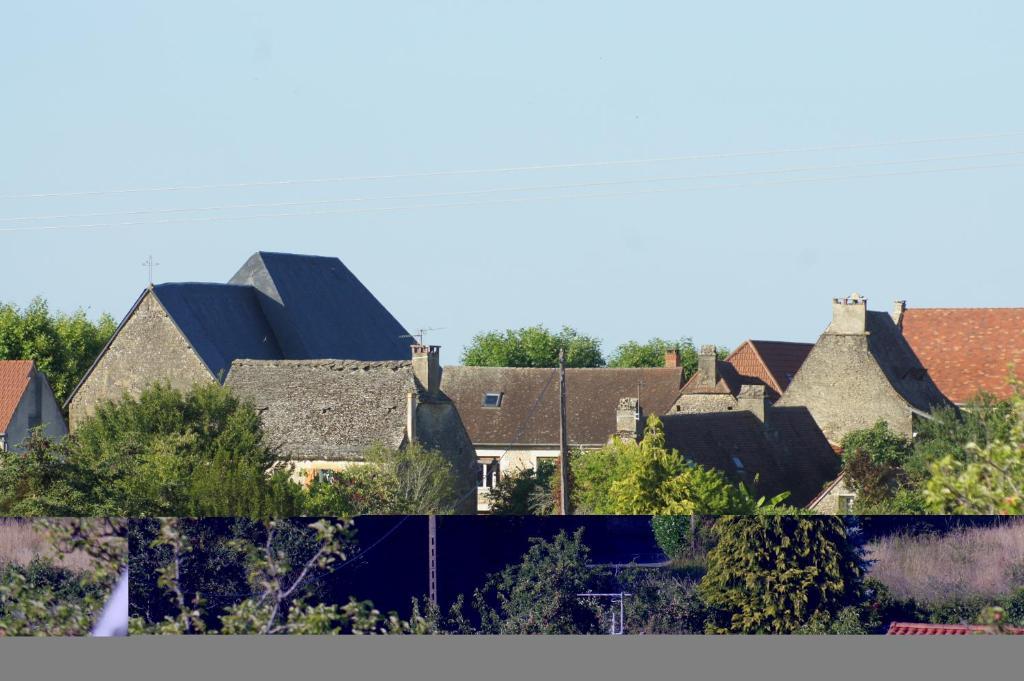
<point>524,492</point>
<point>410,480</point>
<point>662,601</point>
<point>645,477</point>
<point>874,460</point>
<point>533,346</point>
<point>538,595</point>
<point>652,354</point>
<point>164,453</point>
<point>63,346</point>
<point>775,573</point>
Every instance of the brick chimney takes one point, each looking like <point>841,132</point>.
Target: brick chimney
<point>707,365</point>
<point>849,315</point>
<point>898,308</point>
<point>752,398</point>
<point>426,366</point>
<point>672,358</point>
<point>628,419</point>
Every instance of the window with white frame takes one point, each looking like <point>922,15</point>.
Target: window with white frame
<point>488,472</point>
<point>492,400</point>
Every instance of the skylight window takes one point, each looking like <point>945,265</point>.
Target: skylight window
<point>492,400</point>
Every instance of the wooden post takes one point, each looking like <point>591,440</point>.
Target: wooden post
<point>563,439</point>
<point>432,547</point>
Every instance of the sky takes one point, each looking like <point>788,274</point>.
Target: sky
<point>98,98</point>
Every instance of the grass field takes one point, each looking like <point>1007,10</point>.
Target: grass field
<point>20,542</point>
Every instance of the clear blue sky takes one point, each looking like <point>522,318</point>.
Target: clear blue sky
<point>114,95</point>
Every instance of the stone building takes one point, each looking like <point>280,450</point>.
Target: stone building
<point>836,499</point>
<point>26,402</point>
<point>769,449</point>
<point>277,306</point>
<point>966,350</point>
<point>717,383</point>
<point>512,416</point>
<point>860,371</point>
<point>323,415</point>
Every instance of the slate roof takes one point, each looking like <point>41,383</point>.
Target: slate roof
<point>967,350</point>
<point>528,414</point>
<point>327,409</point>
<point>222,322</point>
<point>771,363</point>
<point>900,365</point>
<point>319,309</point>
<point>927,629</point>
<point>14,379</point>
<point>787,453</point>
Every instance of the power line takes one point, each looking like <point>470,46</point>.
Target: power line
<point>510,169</point>
<point>528,199</point>
<point>496,190</point>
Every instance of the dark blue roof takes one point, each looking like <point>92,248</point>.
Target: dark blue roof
<point>318,309</point>
<point>222,322</point>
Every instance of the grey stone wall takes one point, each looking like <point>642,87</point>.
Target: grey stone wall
<point>843,387</point>
<point>439,427</point>
<point>696,403</point>
<point>148,348</point>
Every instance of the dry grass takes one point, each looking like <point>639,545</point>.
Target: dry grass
<point>20,542</point>
<point>968,562</point>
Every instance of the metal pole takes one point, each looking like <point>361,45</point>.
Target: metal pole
<point>563,439</point>
<point>432,547</point>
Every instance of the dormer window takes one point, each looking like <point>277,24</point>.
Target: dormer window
<point>492,400</point>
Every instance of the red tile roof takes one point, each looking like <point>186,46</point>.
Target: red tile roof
<point>926,629</point>
<point>14,377</point>
<point>967,350</point>
<point>773,362</point>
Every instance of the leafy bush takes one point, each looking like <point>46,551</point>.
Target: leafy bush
<point>662,602</point>
<point>525,491</point>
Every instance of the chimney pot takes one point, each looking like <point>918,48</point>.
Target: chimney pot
<point>707,365</point>
<point>628,420</point>
<point>752,398</point>
<point>426,367</point>
<point>849,315</point>
<point>672,358</point>
<point>898,308</point>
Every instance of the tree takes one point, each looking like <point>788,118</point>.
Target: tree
<point>874,460</point>
<point>652,354</point>
<point>411,480</point>
<point>982,479</point>
<point>662,601</point>
<point>538,595</point>
<point>775,573</point>
<point>524,492</point>
<point>44,599</point>
<point>164,453</point>
<point>645,477</point>
<point>63,346</point>
<point>533,346</point>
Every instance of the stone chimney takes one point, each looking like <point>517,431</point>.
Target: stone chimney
<point>898,308</point>
<point>849,315</point>
<point>707,365</point>
<point>426,366</point>
<point>627,419</point>
<point>753,399</point>
<point>672,358</point>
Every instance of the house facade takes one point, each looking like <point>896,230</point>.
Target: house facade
<point>862,370</point>
<point>277,306</point>
<point>512,414</point>
<point>323,415</point>
<point>26,402</point>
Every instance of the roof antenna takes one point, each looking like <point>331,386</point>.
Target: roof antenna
<point>420,333</point>
<point>150,264</point>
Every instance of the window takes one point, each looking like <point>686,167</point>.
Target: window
<point>487,474</point>
<point>324,475</point>
<point>844,504</point>
<point>492,400</point>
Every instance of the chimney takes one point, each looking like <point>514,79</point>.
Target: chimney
<point>672,358</point>
<point>707,365</point>
<point>898,308</point>
<point>752,398</point>
<point>426,366</point>
<point>627,419</point>
<point>849,315</point>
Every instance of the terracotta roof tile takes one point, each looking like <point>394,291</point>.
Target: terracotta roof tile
<point>927,629</point>
<point>967,350</point>
<point>14,377</point>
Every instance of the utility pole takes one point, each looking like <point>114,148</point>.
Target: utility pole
<point>563,439</point>
<point>432,548</point>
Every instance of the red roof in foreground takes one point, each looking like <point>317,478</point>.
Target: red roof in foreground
<point>14,376</point>
<point>967,350</point>
<point>926,629</point>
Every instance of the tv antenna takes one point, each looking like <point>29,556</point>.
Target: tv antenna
<point>149,262</point>
<point>420,333</point>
